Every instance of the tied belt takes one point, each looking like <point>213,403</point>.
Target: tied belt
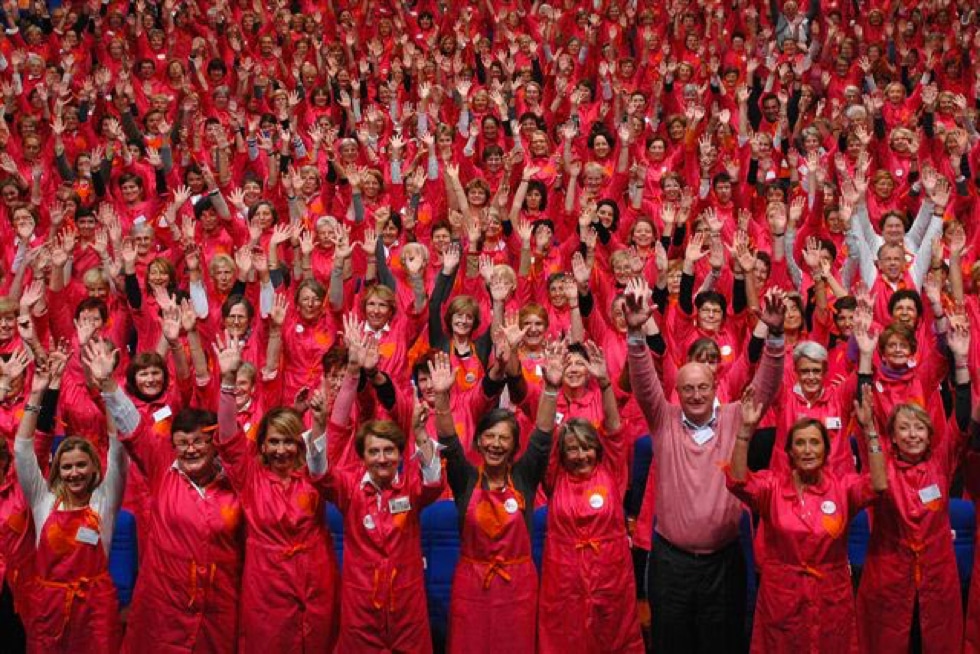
<point>192,584</point>
<point>496,567</point>
<point>78,588</point>
<point>916,548</point>
<point>378,578</point>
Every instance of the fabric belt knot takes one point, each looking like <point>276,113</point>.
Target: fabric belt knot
<point>810,571</point>
<point>78,588</point>
<point>293,550</point>
<point>496,567</point>
<point>193,583</point>
<point>591,544</point>
<point>916,548</point>
<point>375,600</point>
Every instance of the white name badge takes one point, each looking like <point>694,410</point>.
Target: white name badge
<point>162,414</point>
<point>537,371</point>
<point>399,505</point>
<point>87,536</point>
<point>510,506</point>
<point>930,494</point>
<point>139,220</point>
<point>703,435</point>
<point>832,422</point>
<point>559,416</point>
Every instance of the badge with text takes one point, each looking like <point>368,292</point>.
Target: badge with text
<point>930,494</point>
<point>87,536</point>
<point>398,505</point>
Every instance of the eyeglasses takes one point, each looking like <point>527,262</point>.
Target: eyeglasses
<point>690,389</point>
<point>197,444</point>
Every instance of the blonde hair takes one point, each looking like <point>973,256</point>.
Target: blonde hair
<point>73,444</point>
<point>289,423</point>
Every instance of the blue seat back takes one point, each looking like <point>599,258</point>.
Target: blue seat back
<point>124,557</point>
<point>440,547</point>
<point>857,539</point>
<point>537,537</point>
<point>335,523</point>
<point>962,519</point>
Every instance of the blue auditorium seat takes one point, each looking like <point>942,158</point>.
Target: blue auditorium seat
<point>962,519</point>
<point>123,557</point>
<point>540,527</point>
<point>746,536</point>
<point>335,523</point>
<point>440,547</point>
<point>857,540</point>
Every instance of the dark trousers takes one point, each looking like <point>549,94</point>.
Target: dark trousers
<point>12,637</point>
<point>697,601</point>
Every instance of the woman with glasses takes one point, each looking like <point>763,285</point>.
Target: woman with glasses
<point>191,558</point>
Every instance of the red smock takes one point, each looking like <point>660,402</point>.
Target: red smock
<point>383,603</point>
<point>289,587</point>
<point>588,593</point>
<point>16,536</point>
<point>806,602</point>
<point>910,555</point>
<point>495,582</point>
<point>186,597</point>
<point>72,598</point>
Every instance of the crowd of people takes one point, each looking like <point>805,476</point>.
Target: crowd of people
<point>261,256</point>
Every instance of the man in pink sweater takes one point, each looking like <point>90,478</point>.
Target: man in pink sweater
<point>696,574</point>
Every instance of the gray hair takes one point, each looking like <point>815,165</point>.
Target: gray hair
<point>809,350</point>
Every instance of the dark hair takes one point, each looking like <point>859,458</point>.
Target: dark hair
<point>93,304</point>
<point>606,202</point>
<point>537,185</point>
<point>848,302</point>
<point>806,423</point>
<point>189,420</point>
<point>713,297</point>
<point>335,357</point>
<point>494,417</point>
<point>703,344</point>
<point>202,205</point>
<point>897,214</point>
<point>234,300</point>
<point>905,294</point>
<point>141,362</point>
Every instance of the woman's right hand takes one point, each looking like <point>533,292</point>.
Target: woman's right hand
<point>229,353</point>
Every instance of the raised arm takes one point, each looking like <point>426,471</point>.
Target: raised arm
<point>643,376</point>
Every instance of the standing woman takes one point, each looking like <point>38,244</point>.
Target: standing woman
<point>289,587</point>
<point>495,581</point>
<point>186,597</point>
<point>588,592</point>
<point>910,588</point>
<point>383,604</point>
<point>805,600</point>
<point>72,598</point>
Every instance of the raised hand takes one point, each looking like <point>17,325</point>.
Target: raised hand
<point>864,409</point>
<point>597,363</point>
<point>441,373</point>
<point>171,323</point>
<point>279,307</point>
<point>99,358</point>
<point>555,353</point>
<point>15,365</point>
<point>638,306</point>
<point>751,410</point>
<point>228,351</point>
<point>773,310</point>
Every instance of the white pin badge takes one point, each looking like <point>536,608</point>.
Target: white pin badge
<point>596,501</point>
<point>510,506</point>
<point>828,507</point>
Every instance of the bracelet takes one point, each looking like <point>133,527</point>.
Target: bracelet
<point>32,408</point>
<point>550,392</point>
<point>228,389</point>
<point>871,435</point>
<point>444,412</point>
<point>603,387</point>
<point>874,449</point>
<point>779,235</point>
<point>744,439</point>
